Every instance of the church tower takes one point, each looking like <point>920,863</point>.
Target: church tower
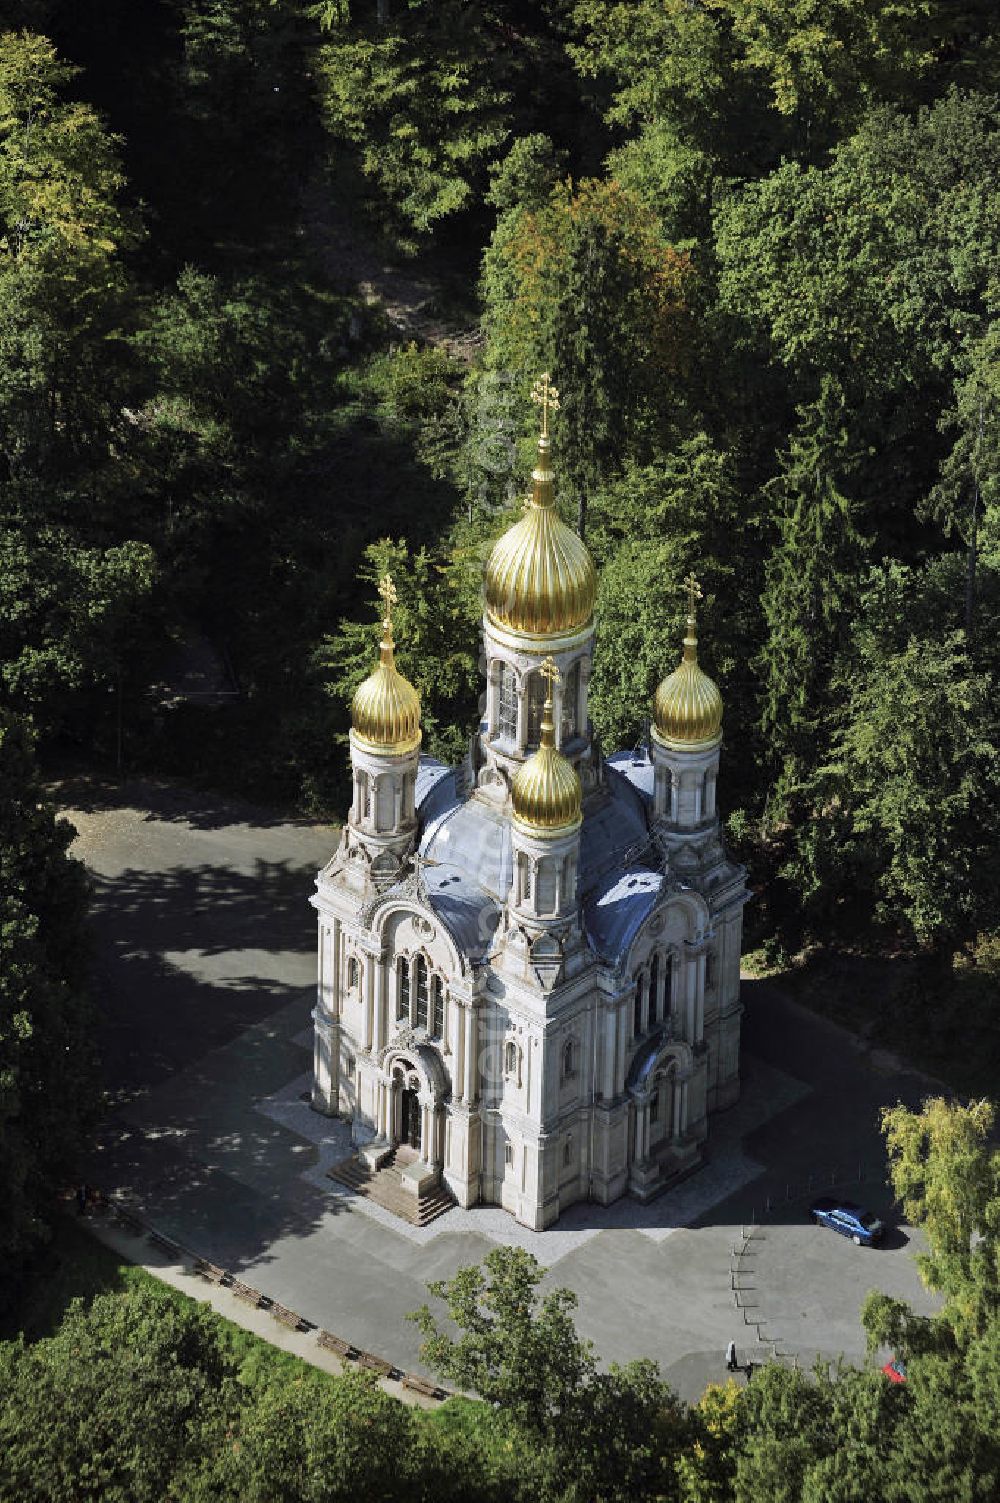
<point>686,737</point>
<point>381,832</point>
<point>385,752</point>
<point>540,588</point>
<point>685,743</point>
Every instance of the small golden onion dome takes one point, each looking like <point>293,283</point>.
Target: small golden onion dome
<point>540,579</point>
<point>385,710</point>
<point>546,792</point>
<point>687,709</point>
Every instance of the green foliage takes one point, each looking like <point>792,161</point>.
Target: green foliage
<point>649,529</point>
<point>585,286</point>
<point>48,1086</point>
<point>420,99</point>
<point>611,1435</point>
<point>946,1172</point>
<point>123,1402</point>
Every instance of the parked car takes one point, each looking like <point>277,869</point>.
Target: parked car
<point>848,1219</point>
<point>895,1370</point>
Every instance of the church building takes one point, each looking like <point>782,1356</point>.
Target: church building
<point>529,964</point>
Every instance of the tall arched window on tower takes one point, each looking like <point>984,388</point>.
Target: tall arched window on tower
<point>640,982</point>
<point>654,999</point>
<point>570,695</point>
<point>507,708</point>
<point>536,690</point>
<point>353,974</point>
<point>668,986</point>
<point>403,993</point>
<point>437,1007</point>
<point>422,989</point>
<point>366,796</point>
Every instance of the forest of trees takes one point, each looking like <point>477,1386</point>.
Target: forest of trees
<point>756,244</point>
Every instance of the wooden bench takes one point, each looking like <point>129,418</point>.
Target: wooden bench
<point>337,1344</point>
<point>165,1244</point>
<point>424,1385</point>
<point>248,1295</point>
<point>288,1317</point>
<point>210,1271</point>
<point>375,1364</point>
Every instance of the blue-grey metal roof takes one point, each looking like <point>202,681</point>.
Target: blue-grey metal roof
<point>473,837</point>
<point>467,865</point>
<point>435,787</point>
<point>615,911</point>
<point>469,914</point>
<point>615,831</point>
<point>637,768</point>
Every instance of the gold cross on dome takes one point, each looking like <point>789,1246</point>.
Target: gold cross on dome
<point>694,591</point>
<point>551,674</point>
<point>545,394</point>
<point>387,590</point>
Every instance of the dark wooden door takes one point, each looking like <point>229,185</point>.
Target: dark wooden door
<point>410,1124</point>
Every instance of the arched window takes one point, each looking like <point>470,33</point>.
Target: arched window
<point>353,974</point>
<point>510,1058</point>
<point>654,997</point>
<point>507,708</point>
<point>568,1152</point>
<point>437,1007</point>
<point>366,796</point>
<point>654,1105</point>
<point>570,695</point>
<point>569,1059</point>
<point>536,688</point>
<point>545,895</point>
<point>526,878</point>
<point>403,993</point>
<point>421,989</point>
<point>709,970</point>
<point>668,986</point>
<point>640,983</point>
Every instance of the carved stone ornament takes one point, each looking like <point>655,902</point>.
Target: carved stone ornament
<point>410,889</point>
<point>655,924</point>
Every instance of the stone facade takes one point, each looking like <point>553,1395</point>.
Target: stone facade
<point>541,1020</point>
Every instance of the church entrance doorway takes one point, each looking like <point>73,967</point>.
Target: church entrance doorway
<point>409,1119</point>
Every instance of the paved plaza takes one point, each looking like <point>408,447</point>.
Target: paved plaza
<point>206,966</point>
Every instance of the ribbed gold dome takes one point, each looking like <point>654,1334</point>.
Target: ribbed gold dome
<point>385,710</point>
<point>687,709</point>
<point>546,791</point>
<point>540,579</point>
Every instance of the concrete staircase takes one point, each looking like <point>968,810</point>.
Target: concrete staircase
<point>385,1187</point>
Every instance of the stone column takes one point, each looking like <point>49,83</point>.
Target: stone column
<point>470,1072</point>
<point>378,1004</point>
<point>699,1011</point>
<point>459,1024</point>
<point>610,1051</point>
<point>690,994</point>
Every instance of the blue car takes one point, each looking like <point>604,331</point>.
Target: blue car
<point>849,1220</point>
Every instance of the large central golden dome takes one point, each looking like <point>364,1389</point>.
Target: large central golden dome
<point>546,792</point>
<point>540,579</point>
<point>385,710</point>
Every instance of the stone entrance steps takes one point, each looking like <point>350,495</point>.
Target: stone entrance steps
<point>385,1188</point>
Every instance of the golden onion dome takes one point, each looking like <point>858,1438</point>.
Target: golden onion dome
<point>546,792</point>
<point>385,710</point>
<point>540,579</point>
<point>687,708</point>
